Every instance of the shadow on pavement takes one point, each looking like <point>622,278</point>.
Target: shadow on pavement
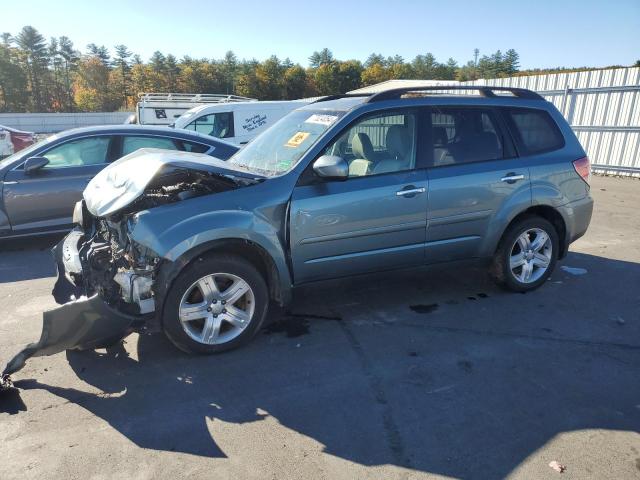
<point>441,392</point>
<point>27,258</point>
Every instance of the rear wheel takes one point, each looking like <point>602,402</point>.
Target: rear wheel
<point>216,304</point>
<point>527,254</point>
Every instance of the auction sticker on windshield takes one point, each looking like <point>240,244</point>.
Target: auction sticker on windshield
<point>321,119</point>
<point>297,139</point>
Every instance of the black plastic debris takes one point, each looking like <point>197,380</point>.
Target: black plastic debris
<point>5,382</point>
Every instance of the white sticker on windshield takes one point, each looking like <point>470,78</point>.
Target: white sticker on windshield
<point>321,119</point>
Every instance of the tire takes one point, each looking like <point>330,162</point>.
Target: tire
<point>210,322</point>
<point>531,274</point>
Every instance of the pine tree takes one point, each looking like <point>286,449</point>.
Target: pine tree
<point>35,59</point>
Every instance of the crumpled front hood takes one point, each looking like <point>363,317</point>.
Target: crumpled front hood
<point>127,179</point>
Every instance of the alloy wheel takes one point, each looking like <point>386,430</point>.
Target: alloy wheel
<point>531,255</point>
<point>217,308</point>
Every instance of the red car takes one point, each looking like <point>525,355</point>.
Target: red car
<point>19,138</point>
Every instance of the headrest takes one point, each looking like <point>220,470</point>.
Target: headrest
<point>440,136</point>
<point>398,141</point>
<point>361,146</point>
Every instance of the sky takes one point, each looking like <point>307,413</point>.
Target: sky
<point>545,33</point>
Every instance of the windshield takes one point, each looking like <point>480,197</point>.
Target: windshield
<point>280,147</point>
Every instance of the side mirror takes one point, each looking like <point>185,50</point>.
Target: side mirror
<point>331,167</point>
<point>34,163</point>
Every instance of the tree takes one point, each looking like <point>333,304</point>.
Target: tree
<point>349,75</point>
<point>269,74</point>
<point>511,62</point>
<point>92,92</point>
<point>100,52</point>
<point>13,95</point>
<point>172,72</point>
<point>326,79</point>
<point>295,82</point>
<point>375,73</point>
<point>34,57</point>
<point>425,66</point>
<point>323,57</point>
<point>157,72</point>
<point>70,57</point>
<point>229,68</point>
<point>122,72</point>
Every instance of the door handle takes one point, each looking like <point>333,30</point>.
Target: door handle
<point>512,178</point>
<point>411,191</point>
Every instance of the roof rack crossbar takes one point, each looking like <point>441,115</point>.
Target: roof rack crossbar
<point>485,91</point>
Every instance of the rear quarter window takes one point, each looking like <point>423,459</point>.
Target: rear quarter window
<point>535,130</point>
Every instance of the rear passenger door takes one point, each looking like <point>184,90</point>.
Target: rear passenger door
<point>475,181</point>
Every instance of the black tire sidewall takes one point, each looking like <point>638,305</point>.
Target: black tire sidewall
<point>200,268</point>
<point>504,253</point>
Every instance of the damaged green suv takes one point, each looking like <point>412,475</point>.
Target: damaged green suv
<point>201,248</point>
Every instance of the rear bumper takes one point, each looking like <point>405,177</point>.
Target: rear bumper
<point>80,323</point>
<point>577,216</point>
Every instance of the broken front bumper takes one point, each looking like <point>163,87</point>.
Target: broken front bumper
<point>79,324</point>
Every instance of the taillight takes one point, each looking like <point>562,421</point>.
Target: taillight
<point>583,167</point>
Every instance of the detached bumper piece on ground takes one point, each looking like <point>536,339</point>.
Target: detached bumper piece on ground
<point>81,324</point>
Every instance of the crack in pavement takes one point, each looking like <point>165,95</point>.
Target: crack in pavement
<point>487,333</point>
<point>394,438</point>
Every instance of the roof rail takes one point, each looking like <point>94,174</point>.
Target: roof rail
<point>485,91</point>
<point>341,95</point>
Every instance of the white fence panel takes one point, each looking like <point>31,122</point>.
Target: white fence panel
<point>602,107</point>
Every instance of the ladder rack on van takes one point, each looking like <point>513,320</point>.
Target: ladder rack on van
<point>193,98</point>
<point>165,108</point>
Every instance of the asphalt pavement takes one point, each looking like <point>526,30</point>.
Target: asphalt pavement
<point>427,373</point>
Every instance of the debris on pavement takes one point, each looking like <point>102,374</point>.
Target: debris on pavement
<point>574,270</point>
<point>558,467</point>
<point>5,382</point>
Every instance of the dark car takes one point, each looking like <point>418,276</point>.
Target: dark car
<point>41,184</point>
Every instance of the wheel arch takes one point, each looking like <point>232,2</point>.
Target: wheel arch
<point>549,213</point>
<point>279,287</point>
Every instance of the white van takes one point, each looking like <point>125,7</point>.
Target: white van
<point>165,108</point>
<point>237,122</point>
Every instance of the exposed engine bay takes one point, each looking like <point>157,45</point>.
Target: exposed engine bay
<point>109,262</point>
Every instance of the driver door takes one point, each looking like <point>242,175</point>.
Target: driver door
<point>44,199</point>
<point>374,220</point>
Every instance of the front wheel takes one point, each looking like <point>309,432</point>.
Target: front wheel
<point>216,304</point>
<point>527,254</point>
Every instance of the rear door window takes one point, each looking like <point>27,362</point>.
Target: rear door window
<point>465,135</point>
<point>194,147</point>
<point>131,143</point>
<point>535,130</point>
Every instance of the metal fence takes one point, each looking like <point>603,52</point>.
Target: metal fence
<point>602,107</point>
<point>57,122</point>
